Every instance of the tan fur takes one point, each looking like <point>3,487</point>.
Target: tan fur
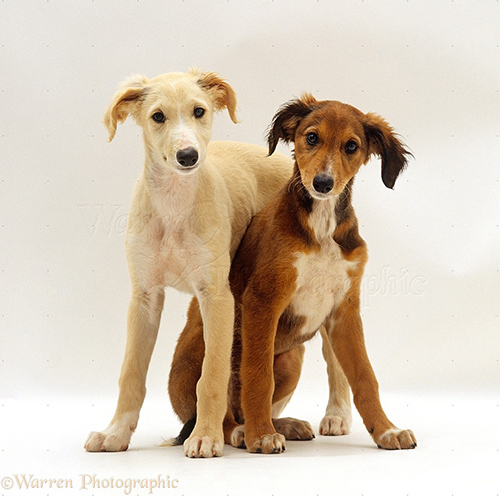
<point>299,268</point>
<point>183,231</point>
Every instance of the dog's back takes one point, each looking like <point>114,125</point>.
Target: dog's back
<point>252,177</point>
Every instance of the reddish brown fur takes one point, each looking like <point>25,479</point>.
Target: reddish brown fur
<point>268,333</point>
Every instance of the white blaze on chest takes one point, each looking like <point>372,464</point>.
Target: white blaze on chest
<point>322,277</point>
<point>322,282</point>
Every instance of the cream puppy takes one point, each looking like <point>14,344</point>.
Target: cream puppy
<point>190,209</point>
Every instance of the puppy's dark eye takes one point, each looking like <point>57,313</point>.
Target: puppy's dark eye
<point>351,146</point>
<point>312,138</point>
<point>158,117</point>
<point>199,112</point>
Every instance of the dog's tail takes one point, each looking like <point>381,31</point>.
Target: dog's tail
<point>183,435</point>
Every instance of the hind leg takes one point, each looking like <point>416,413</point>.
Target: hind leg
<point>186,365</point>
<point>287,368</point>
<point>338,418</point>
<point>234,433</point>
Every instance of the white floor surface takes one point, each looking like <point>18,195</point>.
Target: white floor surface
<point>458,453</point>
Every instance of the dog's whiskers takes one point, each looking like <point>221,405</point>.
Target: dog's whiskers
<point>296,185</point>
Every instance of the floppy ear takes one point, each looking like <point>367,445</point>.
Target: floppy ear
<point>287,119</point>
<point>384,142</point>
<point>125,101</point>
<point>221,92</point>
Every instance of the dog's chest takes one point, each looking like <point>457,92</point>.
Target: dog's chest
<point>169,251</point>
<point>322,282</point>
<point>181,253</point>
<point>183,259</point>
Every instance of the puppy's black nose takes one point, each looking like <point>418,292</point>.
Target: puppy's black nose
<point>323,183</point>
<point>187,157</point>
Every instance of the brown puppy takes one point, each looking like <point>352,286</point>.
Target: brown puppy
<point>298,269</point>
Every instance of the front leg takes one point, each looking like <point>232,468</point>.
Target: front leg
<point>217,310</point>
<point>259,323</point>
<point>142,329</point>
<point>346,335</point>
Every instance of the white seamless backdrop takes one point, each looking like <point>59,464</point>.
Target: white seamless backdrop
<point>431,289</point>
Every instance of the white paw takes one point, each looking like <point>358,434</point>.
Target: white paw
<point>115,437</point>
<point>203,447</point>
<point>396,439</point>
<point>333,425</point>
<point>268,443</point>
<point>238,437</point>
<point>111,439</point>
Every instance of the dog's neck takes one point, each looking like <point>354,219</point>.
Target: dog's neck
<point>319,219</point>
<point>171,193</point>
<point>322,219</point>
